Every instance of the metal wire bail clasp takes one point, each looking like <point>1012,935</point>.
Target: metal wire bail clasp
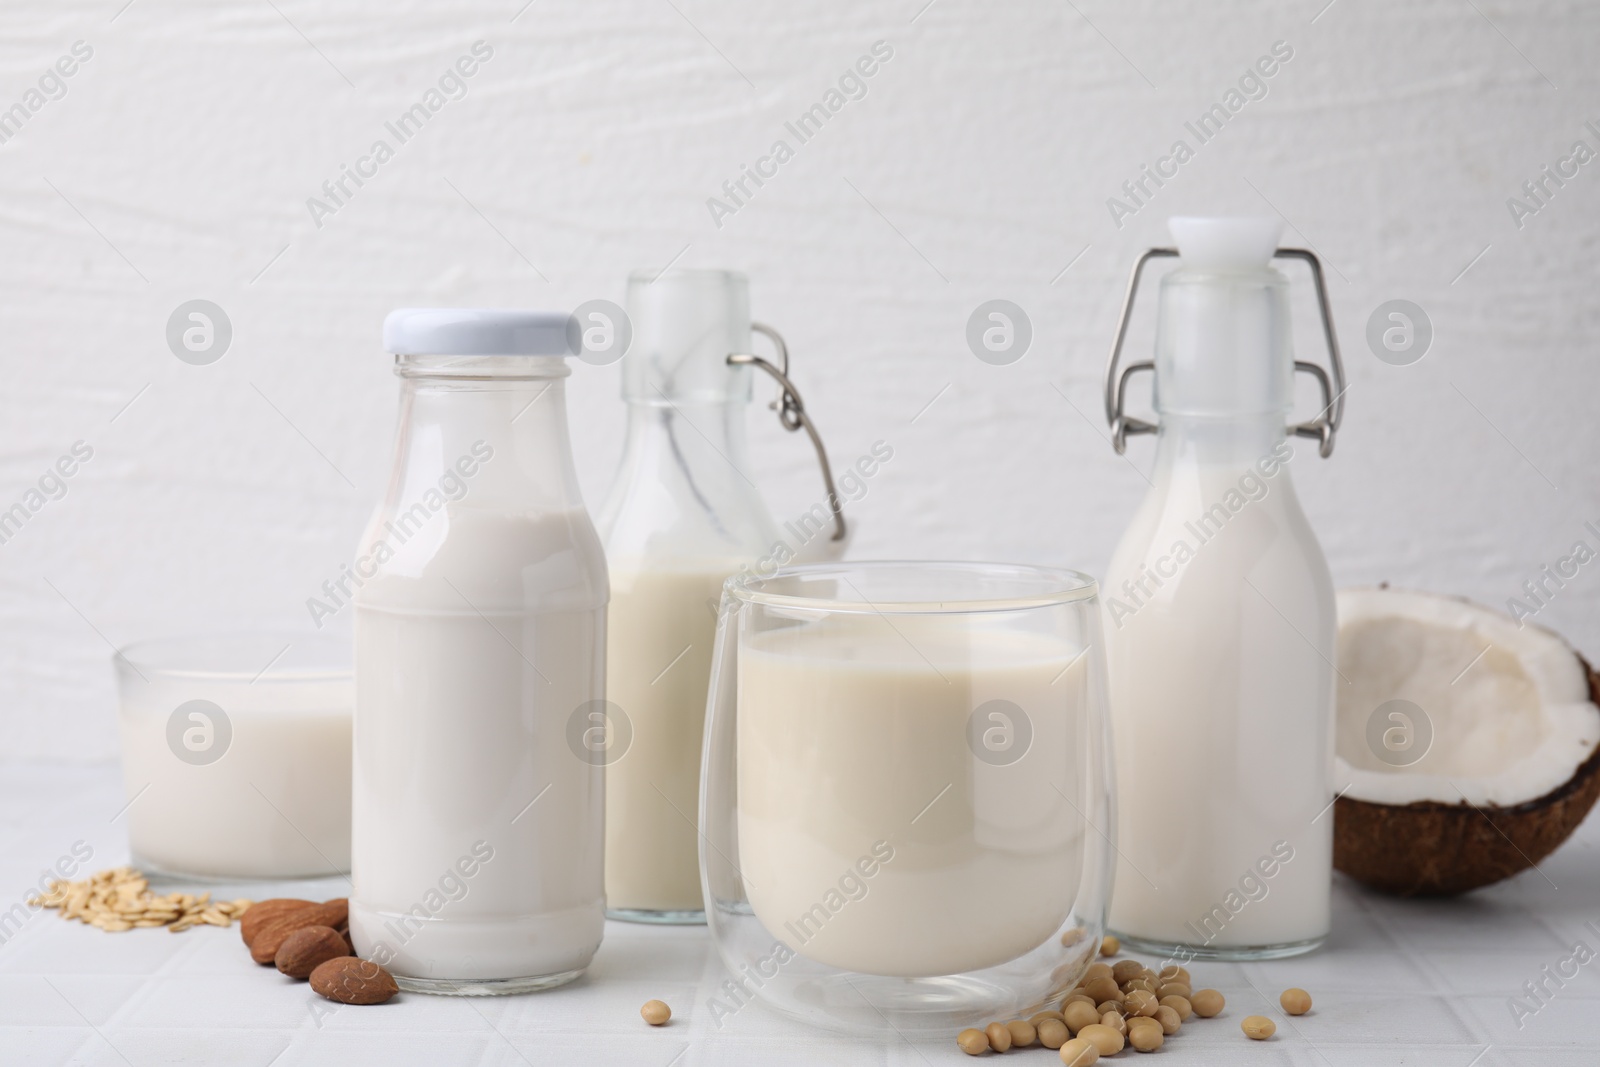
<point>792,412</point>
<point>1321,429</point>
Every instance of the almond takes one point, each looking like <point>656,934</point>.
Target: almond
<point>272,934</point>
<point>308,947</point>
<point>353,981</point>
<point>258,914</point>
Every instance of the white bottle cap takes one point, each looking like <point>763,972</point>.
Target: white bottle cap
<point>1223,341</point>
<point>475,332</point>
<point>1226,244</point>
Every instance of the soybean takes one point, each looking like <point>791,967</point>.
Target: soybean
<point>1110,946</point>
<point>1102,989</point>
<point>1127,971</point>
<point>1079,1053</point>
<point>999,1037</point>
<point>655,1012</point>
<point>1108,1041</point>
<point>1052,1033</point>
<point>1207,1002</point>
<point>1295,1001</point>
<point>1168,1019</point>
<point>1141,1002</point>
<point>973,1042</point>
<point>1180,1005</point>
<point>1258,1027</point>
<point>1023,1033</point>
<point>1078,1015</point>
<point>1146,1037</point>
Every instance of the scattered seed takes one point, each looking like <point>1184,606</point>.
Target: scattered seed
<point>655,1012</point>
<point>1079,1014</point>
<point>120,899</point>
<point>1073,936</point>
<point>1110,946</point>
<point>1102,989</point>
<point>972,1042</point>
<point>1180,1005</point>
<point>1109,1042</point>
<point>1052,1033</point>
<point>1295,1001</point>
<point>1118,1003</point>
<point>1141,1002</point>
<point>1258,1027</point>
<point>1126,970</point>
<point>1079,1053</point>
<point>1207,1002</point>
<point>1146,1037</point>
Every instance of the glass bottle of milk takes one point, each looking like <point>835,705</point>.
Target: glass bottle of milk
<point>477,815</point>
<point>683,516</point>
<point>1219,619</point>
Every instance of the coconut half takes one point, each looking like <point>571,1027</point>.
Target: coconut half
<point>1467,745</point>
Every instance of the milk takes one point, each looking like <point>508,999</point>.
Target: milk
<point>853,757</point>
<point>662,623</point>
<point>1221,705</point>
<point>274,804</point>
<point>477,824</point>
<point>1219,619</point>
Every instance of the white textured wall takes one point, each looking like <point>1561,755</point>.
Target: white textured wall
<point>978,165</point>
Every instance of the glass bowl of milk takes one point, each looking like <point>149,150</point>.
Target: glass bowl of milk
<point>236,755</point>
<point>906,799</point>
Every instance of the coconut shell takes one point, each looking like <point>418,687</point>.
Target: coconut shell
<point>1431,849</point>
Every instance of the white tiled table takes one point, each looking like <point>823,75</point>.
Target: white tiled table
<point>1420,983</point>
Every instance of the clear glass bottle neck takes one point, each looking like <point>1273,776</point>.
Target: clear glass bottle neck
<point>695,434</point>
<point>684,489</point>
<point>507,413</point>
<point>1218,440</point>
<point>1223,343</point>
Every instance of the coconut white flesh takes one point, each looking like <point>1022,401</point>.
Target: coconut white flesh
<point>1509,707</point>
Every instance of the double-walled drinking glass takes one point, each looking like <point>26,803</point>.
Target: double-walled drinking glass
<point>907,791</point>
